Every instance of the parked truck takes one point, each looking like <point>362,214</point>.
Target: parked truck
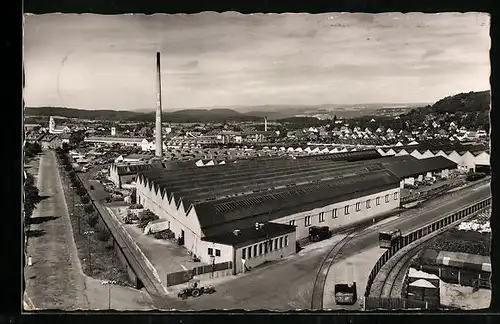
<point>345,294</point>
<point>317,233</point>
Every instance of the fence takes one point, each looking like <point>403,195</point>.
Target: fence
<point>464,277</point>
<point>176,278</point>
<point>398,303</point>
<point>418,234</point>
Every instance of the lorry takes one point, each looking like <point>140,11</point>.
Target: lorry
<point>345,294</point>
<point>317,233</point>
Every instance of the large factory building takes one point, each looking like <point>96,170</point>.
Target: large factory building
<point>256,210</point>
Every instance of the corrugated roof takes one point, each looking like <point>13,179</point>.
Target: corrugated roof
<point>125,169</point>
<point>270,205</point>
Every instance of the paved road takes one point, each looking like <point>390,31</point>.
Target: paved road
<point>55,280</point>
<point>288,284</point>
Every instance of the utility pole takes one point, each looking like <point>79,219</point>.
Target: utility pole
<point>109,283</point>
<point>88,233</point>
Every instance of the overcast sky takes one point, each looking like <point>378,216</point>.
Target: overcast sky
<point>212,59</point>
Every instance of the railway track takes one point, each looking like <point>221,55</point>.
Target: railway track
<point>393,279</point>
<point>322,274</point>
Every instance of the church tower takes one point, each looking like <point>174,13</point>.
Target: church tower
<point>52,124</point>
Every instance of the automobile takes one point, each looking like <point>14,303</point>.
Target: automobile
<point>410,186</point>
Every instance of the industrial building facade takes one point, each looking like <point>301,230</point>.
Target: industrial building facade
<point>256,211</point>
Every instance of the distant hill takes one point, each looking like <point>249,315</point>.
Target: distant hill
<point>81,113</point>
<point>462,103</point>
<point>198,116</point>
<point>180,116</point>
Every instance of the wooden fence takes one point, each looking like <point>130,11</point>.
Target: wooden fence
<point>176,278</point>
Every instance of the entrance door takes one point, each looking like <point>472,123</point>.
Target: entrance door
<point>182,237</point>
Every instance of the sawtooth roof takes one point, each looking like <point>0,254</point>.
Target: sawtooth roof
<point>240,194</point>
<point>350,156</point>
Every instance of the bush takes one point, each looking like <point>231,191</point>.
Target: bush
<point>130,218</point>
<point>89,208</point>
<point>103,234</point>
<point>85,199</point>
<point>81,191</point>
<point>92,219</point>
<point>145,217</point>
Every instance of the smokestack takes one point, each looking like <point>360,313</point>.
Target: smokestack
<point>265,124</point>
<point>158,140</point>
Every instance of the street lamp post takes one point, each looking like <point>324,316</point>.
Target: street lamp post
<point>109,283</point>
<point>88,233</point>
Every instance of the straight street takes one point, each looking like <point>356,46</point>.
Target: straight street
<point>56,280</point>
<point>287,285</point>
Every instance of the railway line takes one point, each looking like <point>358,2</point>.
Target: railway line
<point>320,280</point>
<point>392,275</point>
<point>360,232</point>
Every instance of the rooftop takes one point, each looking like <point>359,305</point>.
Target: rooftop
<point>250,235</point>
<point>113,139</point>
<point>238,194</point>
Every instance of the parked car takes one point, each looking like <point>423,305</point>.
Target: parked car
<point>410,186</point>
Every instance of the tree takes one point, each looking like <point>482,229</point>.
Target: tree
<point>81,191</point>
<point>89,208</point>
<point>77,137</point>
<point>92,219</point>
<point>85,199</point>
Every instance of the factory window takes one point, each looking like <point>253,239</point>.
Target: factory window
<point>281,242</point>
<point>334,213</point>
<point>265,247</point>
<point>395,196</point>
<point>255,251</point>
<point>276,244</point>
<point>217,252</point>
<point>358,206</point>
<point>346,210</point>
<point>321,217</point>
<point>260,249</point>
<point>292,222</point>
<point>270,245</point>
<point>378,201</point>
<point>210,251</point>
<point>249,252</point>
<point>286,240</point>
<point>386,198</point>
<point>244,253</point>
<point>368,204</point>
<point>307,221</point>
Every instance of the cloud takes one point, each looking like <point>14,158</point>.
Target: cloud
<point>235,59</point>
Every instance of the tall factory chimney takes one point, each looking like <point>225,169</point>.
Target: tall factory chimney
<point>265,124</point>
<point>158,139</point>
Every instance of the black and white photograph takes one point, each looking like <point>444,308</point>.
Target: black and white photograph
<point>270,162</point>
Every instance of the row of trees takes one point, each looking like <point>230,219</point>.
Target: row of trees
<point>32,149</point>
<point>91,216</point>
